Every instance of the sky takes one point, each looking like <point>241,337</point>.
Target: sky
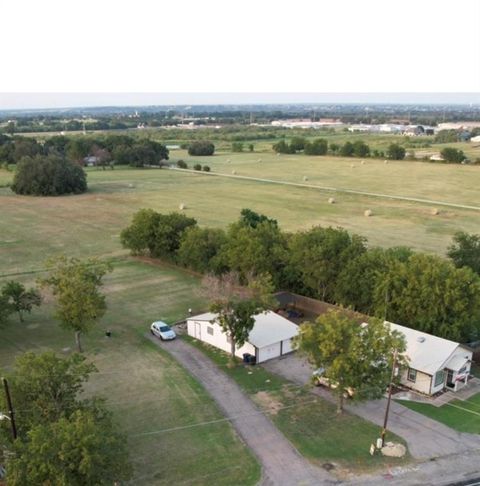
<point>66,54</point>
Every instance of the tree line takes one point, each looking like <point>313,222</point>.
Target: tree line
<point>426,292</point>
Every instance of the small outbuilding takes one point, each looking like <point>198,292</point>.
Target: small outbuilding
<point>270,337</point>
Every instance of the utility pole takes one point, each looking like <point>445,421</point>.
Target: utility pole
<point>10,408</point>
<point>385,420</point>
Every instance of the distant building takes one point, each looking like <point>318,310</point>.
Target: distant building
<point>475,139</point>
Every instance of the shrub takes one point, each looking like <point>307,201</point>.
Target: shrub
<point>453,155</point>
<point>201,148</point>
<point>181,164</point>
<point>206,168</point>
<point>197,167</point>
<point>396,152</point>
<point>49,175</point>
<point>318,146</point>
<point>237,147</point>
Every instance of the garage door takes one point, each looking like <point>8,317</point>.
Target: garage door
<point>287,346</point>
<point>269,352</point>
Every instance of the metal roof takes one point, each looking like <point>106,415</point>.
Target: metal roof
<point>269,328</point>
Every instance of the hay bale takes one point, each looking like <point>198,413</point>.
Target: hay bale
<point>182,206</point>
<point>305,178</point>
<point>435,211</point>
<point>234,172</point>
<point>331,200</point>
<point>385,161</point>
<point>352,166</point>
<point>131,185</point>
<point>278,155</point>
<point>228,160</point>
<point>259,160</point>
<point>368,213</point>
<point>362,162</point>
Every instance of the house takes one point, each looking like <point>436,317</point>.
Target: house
<point>434,364</point>
<point>475,139</point>
<point>270,337</point>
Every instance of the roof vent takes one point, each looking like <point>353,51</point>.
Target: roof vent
<point>420,339</point>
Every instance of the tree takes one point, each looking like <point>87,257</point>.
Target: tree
<point>453,155</point>
<point>320,254</point>
<point>20,299</point>
<point>76,286</point>
<point>346,150</point>
<point>297,144</point>
<point>158,234</point>
<point>361,149</point>
<point>49,175</point>
<point>5,309</point>
<point>84,449</point>
<point>352,355</point>
<point>396,152</point>
<point>253,219</point>
<point>251,147</point>
<point>201,147</point>
<point>282,147</point>
<point>319,146</point>
<point>199,248</point>
<point>465,251</point>
<point>47,387</point>
<point>237,147</point>
<point>429,294</point>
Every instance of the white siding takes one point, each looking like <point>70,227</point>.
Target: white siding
<point>217,339</point>
<point>268,352</point>
<point>421,384</point>
<point>287,346</point>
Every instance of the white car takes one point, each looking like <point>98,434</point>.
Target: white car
<point>162,331</point>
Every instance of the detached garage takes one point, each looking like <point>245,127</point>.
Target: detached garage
<point>270,337</point>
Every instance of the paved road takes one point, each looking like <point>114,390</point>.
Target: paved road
<point>281,463</point>
<point>426,438</point>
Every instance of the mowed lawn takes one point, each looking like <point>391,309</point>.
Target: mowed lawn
<point>461,415</point>
<point>307,420</point>
<point>90,224</point>
<point>163,411</point>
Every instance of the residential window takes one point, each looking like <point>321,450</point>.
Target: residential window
<point>439,378</point>
<point>412,375</point>
<point>210,330</point>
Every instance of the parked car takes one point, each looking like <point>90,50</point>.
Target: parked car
<point>162,331</point>
<point>319,379</point>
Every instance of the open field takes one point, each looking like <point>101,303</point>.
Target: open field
<point>461,415</point>
<point>147,390</point>
<point>308,421</point>
<point>32,229</point>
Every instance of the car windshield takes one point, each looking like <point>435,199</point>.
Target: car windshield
<point>164,329</point>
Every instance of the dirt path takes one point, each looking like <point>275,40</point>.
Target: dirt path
<point>335,189</point>
<point>282,465</point>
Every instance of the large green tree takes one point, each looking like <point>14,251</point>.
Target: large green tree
<point>351,355</point>
<point>83,450</point>
<point>319,255</point>
<point>76,286</point>
<point>20,299</point>
<point>396,152</point>
<point>430,294</point>
<point>465,251</point>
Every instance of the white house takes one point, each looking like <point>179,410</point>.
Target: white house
<point>434,364</point>
<point>475,139</point>
<point>270,337</point>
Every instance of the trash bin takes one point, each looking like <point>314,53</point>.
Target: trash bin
<point>246,357</point>
<point>252,360</point>
<point>108,333</point>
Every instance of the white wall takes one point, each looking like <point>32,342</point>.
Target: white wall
<point>218,339</point>
<point>287,346</point>
<point>268,352</point>
<point>421,384</point>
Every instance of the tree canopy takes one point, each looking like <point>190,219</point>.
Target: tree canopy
<point>350,355</point>
<point>465,251</point>
<point>201,147</point>
<point>396,152</point>
<point>48,175</point>
<point>20,299</point>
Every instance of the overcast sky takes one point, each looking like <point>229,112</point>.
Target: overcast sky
<point>63,54</point>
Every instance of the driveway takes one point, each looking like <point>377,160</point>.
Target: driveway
<point>282,464</point>
<point>426,438</point>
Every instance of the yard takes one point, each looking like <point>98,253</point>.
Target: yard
<point>158,405</point>
<point>461,415</point>
<point>307,420</point>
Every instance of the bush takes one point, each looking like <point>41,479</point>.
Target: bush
<point>49,175</point>
<point>318,146</point>
<point>206,168</point>
<point>396,152</point>
<point>201,148</point>
<point>237,147</point>
<point>197,167</point>
<point>181,164</point>
<point>453,155</point>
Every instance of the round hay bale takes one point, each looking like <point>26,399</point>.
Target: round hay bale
<point>131,185</point>
<point>331,200</point>
<point>435,211</point>
<point>352,166</point>
<point>305,178</point>
<point>228,160</point>
<point>259,160</point>
<point>182,206</point>
<point>234,172</point>
<point>385,161</point>
<point>278,155</point>
<point>362,162</point>
<point>368,213</point>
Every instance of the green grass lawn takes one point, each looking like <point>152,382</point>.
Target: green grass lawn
<point>157,403</point>
<point>461,415</point>
<point>308,421</point>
